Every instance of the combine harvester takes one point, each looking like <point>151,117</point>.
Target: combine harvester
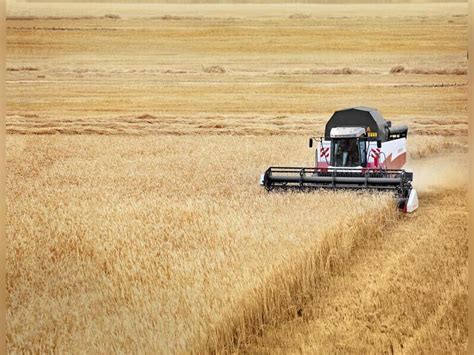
<point>359,150</point>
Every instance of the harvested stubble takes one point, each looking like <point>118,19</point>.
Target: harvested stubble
<point>163,243</point>
<point>428,146</point>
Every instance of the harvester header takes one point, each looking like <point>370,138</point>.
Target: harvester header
<point>359,150</point>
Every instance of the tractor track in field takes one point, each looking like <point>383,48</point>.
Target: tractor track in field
<point>405,292</point>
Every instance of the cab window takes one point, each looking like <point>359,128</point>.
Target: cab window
<point>346,152</point>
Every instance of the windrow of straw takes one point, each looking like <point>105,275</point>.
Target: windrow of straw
<point>400,69</point>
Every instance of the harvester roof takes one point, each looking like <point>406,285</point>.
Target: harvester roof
<point>366,117</point>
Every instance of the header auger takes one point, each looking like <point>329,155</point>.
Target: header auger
<point>359,150</point>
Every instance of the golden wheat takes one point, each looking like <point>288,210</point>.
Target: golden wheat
<point>132,236</point>
<point>161,243</point>
<point>135,219</point>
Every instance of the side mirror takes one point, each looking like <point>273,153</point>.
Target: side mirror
<point>379,144</point>
<point>311,142</point>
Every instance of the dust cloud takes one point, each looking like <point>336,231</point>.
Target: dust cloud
<point>445,172</point>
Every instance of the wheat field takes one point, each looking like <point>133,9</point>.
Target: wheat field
<point>136,135</point>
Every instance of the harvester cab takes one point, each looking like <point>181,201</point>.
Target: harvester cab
<point>347,147</point>
<point>359,150</point>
